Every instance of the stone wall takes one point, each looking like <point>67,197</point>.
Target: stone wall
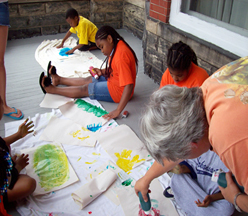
<point>159,36</point>
<point>134,16</point>
<point>30,18</point>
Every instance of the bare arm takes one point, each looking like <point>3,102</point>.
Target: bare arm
<point>230,192</point>
<point>68,34</point>
<point>123,102</point>
<point>74,48</point>
<point>155,171</point>
<point>209,199</point>
<point>23,130</point>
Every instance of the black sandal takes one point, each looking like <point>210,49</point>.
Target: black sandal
<point>47,82</point>
<point>54,71</point>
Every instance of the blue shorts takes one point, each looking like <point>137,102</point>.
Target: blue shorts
<point>98,90</point>
<point>4,14</point>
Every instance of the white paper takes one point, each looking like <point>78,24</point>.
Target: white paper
<point>65,131</point>
<point>90,191</point>
<point>49,166</point>
<point>54,101</point>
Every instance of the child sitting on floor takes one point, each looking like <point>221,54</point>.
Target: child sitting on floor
<point>84,29</point>
<point>116,81</point>
<point>13,185</point>
<point>183,70</point>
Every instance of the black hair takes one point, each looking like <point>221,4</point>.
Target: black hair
<point>71,13</point>
<point>180,56</point>
<point>103,33</point>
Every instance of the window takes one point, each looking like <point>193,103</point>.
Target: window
<point>220,22</point>
<point>230,14</point>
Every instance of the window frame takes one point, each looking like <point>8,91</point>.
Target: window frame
<point>208,31</point>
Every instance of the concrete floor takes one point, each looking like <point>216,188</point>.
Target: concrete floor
<point>23,90</point>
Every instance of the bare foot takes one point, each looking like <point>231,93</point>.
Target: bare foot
<point>21,161</point>
<point>55,77</point>
<point>179,169</point>
<point>10,109</point>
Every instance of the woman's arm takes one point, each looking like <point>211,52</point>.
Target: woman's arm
<point>155,171</point>
<point>123,102</point>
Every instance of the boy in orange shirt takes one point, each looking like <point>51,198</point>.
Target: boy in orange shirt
<point>116,82</point>
<point>183,69</point>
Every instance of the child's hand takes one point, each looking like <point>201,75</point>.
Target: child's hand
<point>205,202</point>
<point>60,46</point>
<point>70,52</point>
<point>112,115</point>
<point>98,71</point>
<point>21,162</point>
<point>24,128</point>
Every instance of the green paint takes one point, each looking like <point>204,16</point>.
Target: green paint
<point>97,111</point>
<point>91,196</point>
<point>51,165</point>
<point>127,182</point>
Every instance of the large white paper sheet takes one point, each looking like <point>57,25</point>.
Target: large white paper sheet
<point>49,166</point>
<point>65,131</point>
<point>54,101</point>
<point>84,113</point>
<point>124,147</point>
<point>75,65</point>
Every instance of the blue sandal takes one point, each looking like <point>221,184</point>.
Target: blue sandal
<point>13,117</point>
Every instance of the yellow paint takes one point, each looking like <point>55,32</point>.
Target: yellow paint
<point>91,176</point>
<point>91,162</point>
<point>79,159</point>
<point>83,138</point>
<point>96,153</point>
<point>85,129</point>
<point>124,160</point>
<point>75,134</point>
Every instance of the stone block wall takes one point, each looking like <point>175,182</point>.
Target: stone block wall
<point>159,36</point>
<point>30,18</point>
<point>134,16</point>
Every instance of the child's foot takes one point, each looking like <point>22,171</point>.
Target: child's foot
<point>21,161</point>
<point>180,169</point>
<point>55,79</point>
<point>8,110</point>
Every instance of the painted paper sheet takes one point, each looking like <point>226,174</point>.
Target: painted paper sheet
<point>124,147</point>
<point>49,166</point>
<point>85,114</point>
<point>54,101</point>
<point>131,206</point>
<point>74,65</point>
<point>67,132</point>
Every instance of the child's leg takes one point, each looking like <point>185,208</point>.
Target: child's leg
<point>23,187</point>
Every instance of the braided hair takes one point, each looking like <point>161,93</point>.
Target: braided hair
<point>102,34</point>
<point>180,56</point>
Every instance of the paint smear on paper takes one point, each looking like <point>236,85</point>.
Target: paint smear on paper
<point>51,165</point>
<point>79,159</point>
<point>89,212</point>
<point>94,153</point>
<point>91,162</point>
<point>127,182</point>
<point>83,138</point>
<point>94,127</point>
<point>142,213</point>
<point>76,133</point>
<point>97,111</point>
<point>124,160</point>
<point>84,129</point>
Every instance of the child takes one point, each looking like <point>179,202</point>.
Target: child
<point>182,68</point>
<point>84,29</point>
<point>117,79</point>
<point>193,187</point>
<point>13,185</point>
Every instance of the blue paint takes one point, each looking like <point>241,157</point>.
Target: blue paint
<point>94,127</point>
<point>63,51</point>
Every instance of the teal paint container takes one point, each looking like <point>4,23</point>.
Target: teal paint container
<point>222,181</point>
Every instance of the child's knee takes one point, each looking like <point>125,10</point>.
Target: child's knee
<point>31,185</point>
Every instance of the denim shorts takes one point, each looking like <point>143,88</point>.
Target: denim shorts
<point>4,14</point>
<point>98,90</point>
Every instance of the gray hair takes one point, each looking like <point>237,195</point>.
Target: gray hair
<point>174,118</point>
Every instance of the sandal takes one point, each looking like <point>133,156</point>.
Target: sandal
<point>47,82</point>
<point>15,112</point>
<point>53,71</point>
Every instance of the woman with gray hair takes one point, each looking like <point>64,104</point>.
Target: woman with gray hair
<point>182,123</point>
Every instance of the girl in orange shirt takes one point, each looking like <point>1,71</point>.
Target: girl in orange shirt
<point>116,81</point>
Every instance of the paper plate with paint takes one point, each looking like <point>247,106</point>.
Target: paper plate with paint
<point>49,166</point>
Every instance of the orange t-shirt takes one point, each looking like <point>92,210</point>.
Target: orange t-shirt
<point>123,71</point>
<point>196,77</point>
<point>225,96</point>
